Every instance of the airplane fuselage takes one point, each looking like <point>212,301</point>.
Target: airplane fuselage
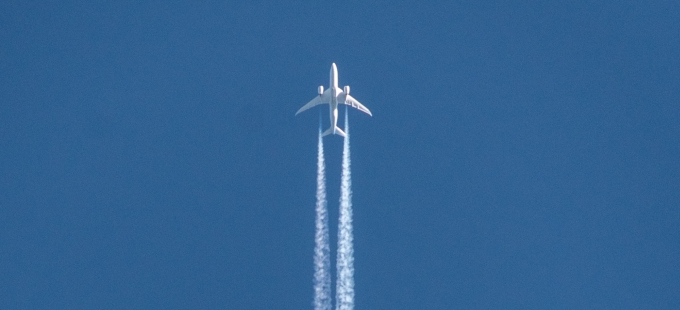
<point>333,104</point>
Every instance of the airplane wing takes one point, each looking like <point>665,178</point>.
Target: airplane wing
<point>350,101</point>
<point>325,98</point>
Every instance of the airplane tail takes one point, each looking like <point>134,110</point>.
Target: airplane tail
<point>338,131</point>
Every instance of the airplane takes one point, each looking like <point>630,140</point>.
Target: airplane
<point>332,96</point>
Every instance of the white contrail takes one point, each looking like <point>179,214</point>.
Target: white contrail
<point>345,262</point>
<point>322,260</point>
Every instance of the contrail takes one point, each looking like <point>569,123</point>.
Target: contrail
<point>322,260</point>
<point>345,262</point>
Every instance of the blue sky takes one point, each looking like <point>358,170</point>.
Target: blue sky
<point>520,156</point>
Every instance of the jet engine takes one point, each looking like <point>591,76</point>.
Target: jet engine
<point>347,90</point>
<point>320,90</point>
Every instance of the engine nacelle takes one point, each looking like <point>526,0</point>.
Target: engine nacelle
<point>346,90</point>
<point>320,90</point>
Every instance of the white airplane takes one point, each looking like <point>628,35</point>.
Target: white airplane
<point>332,96</point>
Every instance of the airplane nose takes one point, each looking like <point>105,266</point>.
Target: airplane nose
<point>334,73</point>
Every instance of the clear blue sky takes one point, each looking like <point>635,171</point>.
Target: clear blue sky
<point>521,156</point>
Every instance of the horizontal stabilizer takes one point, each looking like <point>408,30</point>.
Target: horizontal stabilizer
<point>338,132</point>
